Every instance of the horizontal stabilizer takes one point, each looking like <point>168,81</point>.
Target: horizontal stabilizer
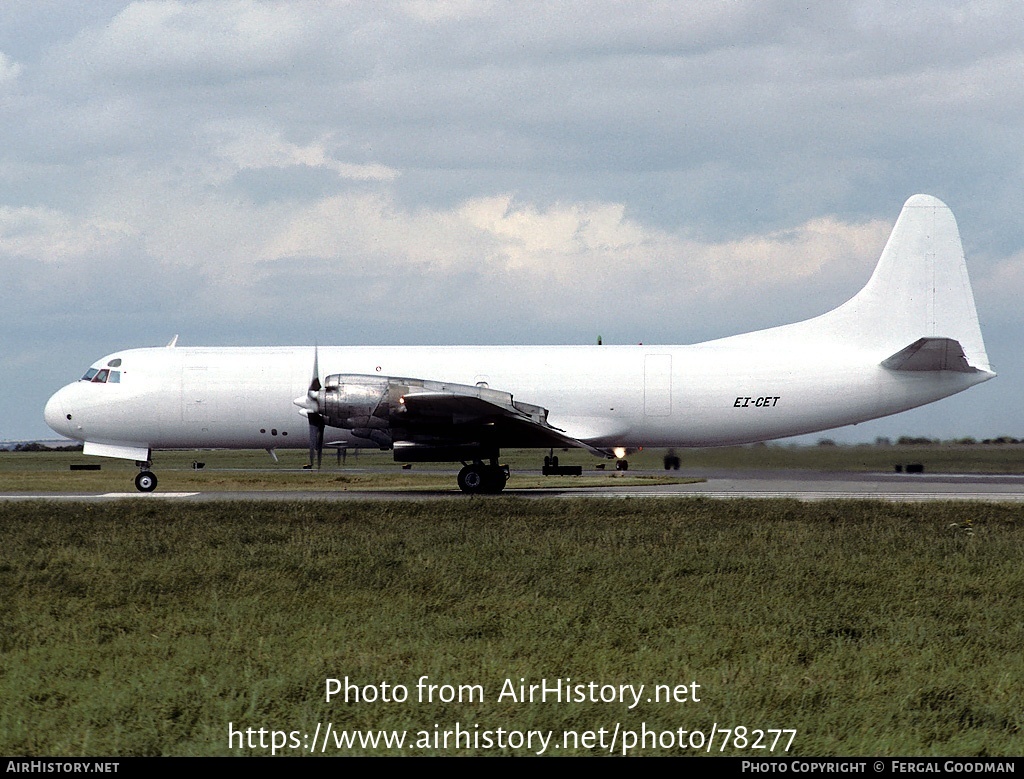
<point>930,354</point>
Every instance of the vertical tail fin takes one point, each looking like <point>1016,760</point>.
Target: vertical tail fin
<point>920,288</point>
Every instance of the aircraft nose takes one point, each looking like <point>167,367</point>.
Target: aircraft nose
<point>56,416</point>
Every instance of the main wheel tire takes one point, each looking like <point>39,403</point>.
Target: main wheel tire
<point>495,480</point>
<point>472,479</point>
<point>482,479</point>
<point>145,481</point>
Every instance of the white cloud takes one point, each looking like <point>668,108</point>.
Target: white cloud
<point>444,10</point>
<point>815,249</point>
<point>205,40</point>
<point>1002,287</point>
<point>515,258</point>
<point>266,149</point>
<point>49,236</point>
<point>570,256</point>
<point>9,70</point>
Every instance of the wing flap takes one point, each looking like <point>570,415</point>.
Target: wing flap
<point>468,405</point>
<point>486,413</point>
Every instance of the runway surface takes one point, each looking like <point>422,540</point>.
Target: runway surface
<point>719,484</point>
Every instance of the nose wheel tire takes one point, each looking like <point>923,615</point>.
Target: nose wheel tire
<point>145,481</point>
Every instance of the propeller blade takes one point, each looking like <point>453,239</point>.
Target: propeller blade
<point>319,446</point>
<point>314,385</point>
<point>310,402</point>
<point>316,439</point>
<point>309,405</point>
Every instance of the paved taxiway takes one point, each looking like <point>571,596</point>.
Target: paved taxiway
<point>719,484</point>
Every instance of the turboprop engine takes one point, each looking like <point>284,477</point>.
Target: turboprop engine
<point>418,413</point>
<point>353,402</point>
<point>358,403</point>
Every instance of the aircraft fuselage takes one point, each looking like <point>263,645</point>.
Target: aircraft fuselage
<point>609,396</point>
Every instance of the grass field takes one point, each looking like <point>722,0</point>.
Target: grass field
<point>936,458</point>
<point>869,628</point>
<point>227,471</point>
<point>374,470</point>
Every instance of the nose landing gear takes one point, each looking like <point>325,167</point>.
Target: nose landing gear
<point>145,481</point>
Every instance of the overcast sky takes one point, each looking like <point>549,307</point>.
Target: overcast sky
<point>250,173</point>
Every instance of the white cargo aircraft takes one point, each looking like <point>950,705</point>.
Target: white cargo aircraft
<point>909,337</point>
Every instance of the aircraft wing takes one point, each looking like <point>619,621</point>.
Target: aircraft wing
<point>424,413</point>
<point>464,413</point>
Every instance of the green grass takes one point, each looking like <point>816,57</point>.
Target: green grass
<point>374,470</point>
<point>871,628</point>
<point>936,458</point>
<point>247,470</point>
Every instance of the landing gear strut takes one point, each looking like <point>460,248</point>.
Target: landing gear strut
<point>480,479</point>
<point>552,468</point>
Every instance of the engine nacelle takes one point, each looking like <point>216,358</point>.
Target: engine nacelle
<point>425,421</point>
<point>351,401</point>
<point>409,452</point>
<point>381,438</point>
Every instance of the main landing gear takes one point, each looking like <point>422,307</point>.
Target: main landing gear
<point>480,479</point>
<point>146,480</point>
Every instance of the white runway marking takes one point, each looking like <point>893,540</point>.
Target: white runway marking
<point>149,494</point>
<point>102,496</point>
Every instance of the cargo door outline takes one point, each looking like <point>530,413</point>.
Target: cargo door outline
<point>658,385</point>
<point>195,407</point>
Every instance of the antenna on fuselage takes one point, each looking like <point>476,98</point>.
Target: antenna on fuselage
<point>173,342</point>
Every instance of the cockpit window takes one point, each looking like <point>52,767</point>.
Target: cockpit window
<point>103,375</point>
<point>115,363</point>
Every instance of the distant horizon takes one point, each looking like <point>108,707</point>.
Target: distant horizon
<point>822,440</point>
